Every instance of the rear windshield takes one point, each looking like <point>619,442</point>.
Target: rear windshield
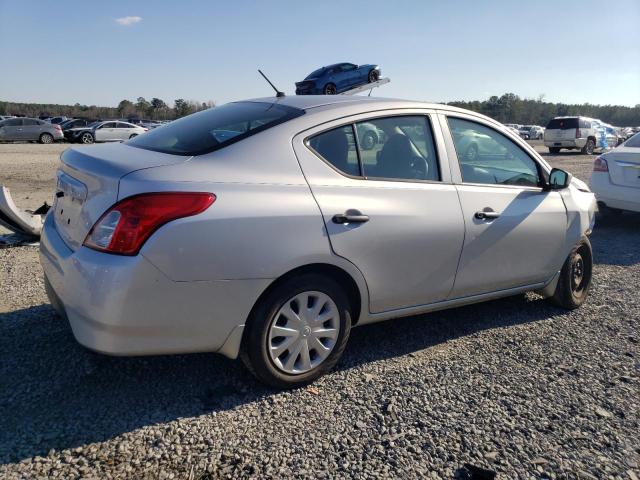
<point>315,73</point>
<point>209,130</point>
<point>633,141</point>
<point>563,124</point>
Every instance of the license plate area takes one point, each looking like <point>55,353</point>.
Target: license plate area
<point>70,196</point>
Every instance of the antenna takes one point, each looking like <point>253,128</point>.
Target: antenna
<point>278,92</point>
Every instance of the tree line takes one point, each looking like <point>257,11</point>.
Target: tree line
<point>154,109</point>
<point>510,108</point>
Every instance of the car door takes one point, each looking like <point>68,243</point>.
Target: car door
<point>31,129</point>
<point>106,132</point>
<point>390,210</point>
<point>121,131</point>
<point>12,129</point>
<point>515,229</point>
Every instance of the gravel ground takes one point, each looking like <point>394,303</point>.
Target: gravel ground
<point>514,385</point>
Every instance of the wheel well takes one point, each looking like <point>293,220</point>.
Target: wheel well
<point>591,137</point>
<point>345,280</point>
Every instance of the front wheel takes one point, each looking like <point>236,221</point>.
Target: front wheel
<point>87,138</point>
<point>297,332</point>
<point>575,277</point>
<point>554,149</point>
<point>373,76</point>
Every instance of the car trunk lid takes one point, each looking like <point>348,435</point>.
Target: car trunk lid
<point>88,180</point>
<point>624,166</point>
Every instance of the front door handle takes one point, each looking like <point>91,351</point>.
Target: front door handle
<point>486,215</point>
<point>355,217</point>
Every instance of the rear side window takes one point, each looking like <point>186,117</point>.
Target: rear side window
<point>13,122</point>
<point>211,129</point>
<point>563,124</point>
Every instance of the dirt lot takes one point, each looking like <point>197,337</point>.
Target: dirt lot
<point>514,385</point>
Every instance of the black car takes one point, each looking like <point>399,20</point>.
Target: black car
<point>73,123</point>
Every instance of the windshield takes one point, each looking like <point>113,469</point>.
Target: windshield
<point>315,73</point>
<point>633,141</point>
<point>211,129</point>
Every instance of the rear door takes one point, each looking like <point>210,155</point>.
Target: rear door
<point>31,129</point>
<point>391,210</point>
<point>515,230</point>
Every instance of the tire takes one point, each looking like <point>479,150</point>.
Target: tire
<point>374,75</point>
<point>554,149</point>
<point>330,89</point>
<point>471,154</point>
<point>268,318</point>
<point>369,140</point>
<point>133,136</point>
<point>589,147</point>
<point>575,277</point>
<point>46,138</point>
<point>87,138</point>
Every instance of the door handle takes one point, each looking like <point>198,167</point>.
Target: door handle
<point>484,215</point>
<point>343,218</point>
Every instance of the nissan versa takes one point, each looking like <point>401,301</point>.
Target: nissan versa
<point>262,229</point>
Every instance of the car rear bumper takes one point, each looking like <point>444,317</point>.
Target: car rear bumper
<point>572,143</point>
<point>122,305</point>
<point>614,196</point>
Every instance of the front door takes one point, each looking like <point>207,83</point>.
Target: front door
<point>106,132</point>
<point>515,230</point>
<point>390,210</point>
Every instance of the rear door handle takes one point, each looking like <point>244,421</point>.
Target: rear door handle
<point>483,215</point>
<point>342,218</point>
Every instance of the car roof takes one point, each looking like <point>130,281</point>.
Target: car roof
<point>308,102</point>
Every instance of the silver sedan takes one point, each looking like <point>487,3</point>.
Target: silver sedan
<point>263,229</point>
<point>29,130</point>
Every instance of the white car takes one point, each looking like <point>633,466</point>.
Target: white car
<point>109,131</point>
<point>616,178</point>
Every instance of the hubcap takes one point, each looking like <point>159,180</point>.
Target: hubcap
<point>304,332</point>
<point>577,272</point>
<point>86,138</point>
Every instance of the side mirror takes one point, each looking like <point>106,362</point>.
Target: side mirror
<point>558,179</point>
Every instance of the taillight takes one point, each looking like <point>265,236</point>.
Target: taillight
<point>578,133</point>
<point>125,227</point>
<point>58,127</point>
<point>600,165</point>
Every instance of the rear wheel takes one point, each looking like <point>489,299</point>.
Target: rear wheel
<point>575,277</point>
<point>297,332</point>
<point>554,149</point>
<point>46,138</point>
<point>369,140</point>
<point>374,75</point>
<point>330,89</point>
<point>589,147</point>
<point>87,138</point>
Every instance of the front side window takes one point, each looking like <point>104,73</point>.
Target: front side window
<point>30,122</point>
<point>487,156</point>
<point>391,148</point>
<point>211,129</point>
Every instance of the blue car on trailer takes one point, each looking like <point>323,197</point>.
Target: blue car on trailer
<point>337,78</point>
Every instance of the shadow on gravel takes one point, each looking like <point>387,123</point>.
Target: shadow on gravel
<point>55,395</point>
<point>616,239</point>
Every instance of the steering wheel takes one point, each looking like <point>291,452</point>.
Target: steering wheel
<point>419,168</point>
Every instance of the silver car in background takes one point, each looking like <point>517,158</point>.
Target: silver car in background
<point>105,131</point>
<point>262,229</point>
<point>20,129</point>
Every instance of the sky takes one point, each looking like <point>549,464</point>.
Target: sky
<point>98,53</point>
